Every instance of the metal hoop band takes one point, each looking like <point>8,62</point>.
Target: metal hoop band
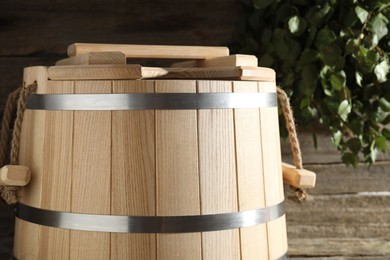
<point>149,224</point>
<point>137,101</point>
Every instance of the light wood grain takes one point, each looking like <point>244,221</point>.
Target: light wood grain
<point>115,72</point>
<point>57,173</point>
<point>15,175</point>
<point>273,180</point>
<point>95,72</point>
<point>177,172</point>
<point>133,162</point>
<point>93,58</point>
<point>91,178</point>
<point>151,51</point>
<point>250,176</point>
<point>218,183</point>
<point>338,179</point>
<point>239,73</point>
<point>31,155</point>
<point>299,178</point>
<point>228,61</point>
<point>341,246</point>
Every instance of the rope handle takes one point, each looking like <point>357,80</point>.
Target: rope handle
<point>294,144</point>
<point>16,102</point>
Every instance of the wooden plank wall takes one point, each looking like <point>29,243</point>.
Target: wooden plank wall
<point>347,215</point>
<point>37,32</point>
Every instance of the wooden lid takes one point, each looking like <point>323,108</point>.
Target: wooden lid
<point>108,62</point>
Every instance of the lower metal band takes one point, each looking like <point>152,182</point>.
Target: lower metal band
<point>137,101</point>
<point>149,224</point>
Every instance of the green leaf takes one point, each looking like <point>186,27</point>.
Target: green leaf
<point>350,18</point>
<point>316,15</point>
<point>354,145</point>
<point>379,25</point>
<point>381,70</point>
<point>337,80</point>
<point>332,55</point>
<point>351,46</point>
<point>337,137</point>
<point>266,36</point>
<point>325,37</point>
<point>344,110</point>
<point>310,76</point>
<point>251,46</point>
<point>286,47</point>
<point>289,79</point>
<point>359,78</point>
<point>367,59</point>
<point>361,13</point>
<point>384,104</point>
<point>386,133</point>
<point>266,60</point>
<point>381,143</point>
<point>286,11</point>
<point>297,25</point>
<point>350,159</point>
<point>261,4</point>
<point>308,56</point>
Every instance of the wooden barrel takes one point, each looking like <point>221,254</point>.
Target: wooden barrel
<point>152,182</point>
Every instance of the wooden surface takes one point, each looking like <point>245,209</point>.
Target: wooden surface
<point>217,171</point>
<point>93,58</point>
<point>346,215</point>
<point>298,178</point>
<point>133,71</point>
<point>250,174</point>
<point>33,130</point>
<point>177,174</point>
<point>228,61</point>
<point>91,160</point>
<point>15,175</point>
<point>198,22</point>
<point>272,168</point>
<point>151,51</point>
<point>56,186</point>
<point>134,182</point>
<point>237,73</point>
<point>165,163</point>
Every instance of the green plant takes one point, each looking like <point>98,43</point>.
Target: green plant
<point>332,58</point>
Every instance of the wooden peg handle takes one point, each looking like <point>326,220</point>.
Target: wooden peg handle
<point>299,178</point>
<point>151,51</point>
<point>14,175</point>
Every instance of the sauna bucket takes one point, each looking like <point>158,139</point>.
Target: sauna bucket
<point>132,162</point>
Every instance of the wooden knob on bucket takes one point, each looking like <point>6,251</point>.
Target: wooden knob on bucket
<point>299,178</point>
<point>14,175</point>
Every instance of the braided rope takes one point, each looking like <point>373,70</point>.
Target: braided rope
<point>9,193</point>
<point>292,134</point>
<point>9,110</point>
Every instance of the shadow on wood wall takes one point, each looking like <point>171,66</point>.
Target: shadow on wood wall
<point>38,33</point>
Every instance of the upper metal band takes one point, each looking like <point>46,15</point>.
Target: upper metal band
<point>137,101</point>
<point>149,224</point>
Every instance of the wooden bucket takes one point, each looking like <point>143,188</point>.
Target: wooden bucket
<point>166,178</point>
